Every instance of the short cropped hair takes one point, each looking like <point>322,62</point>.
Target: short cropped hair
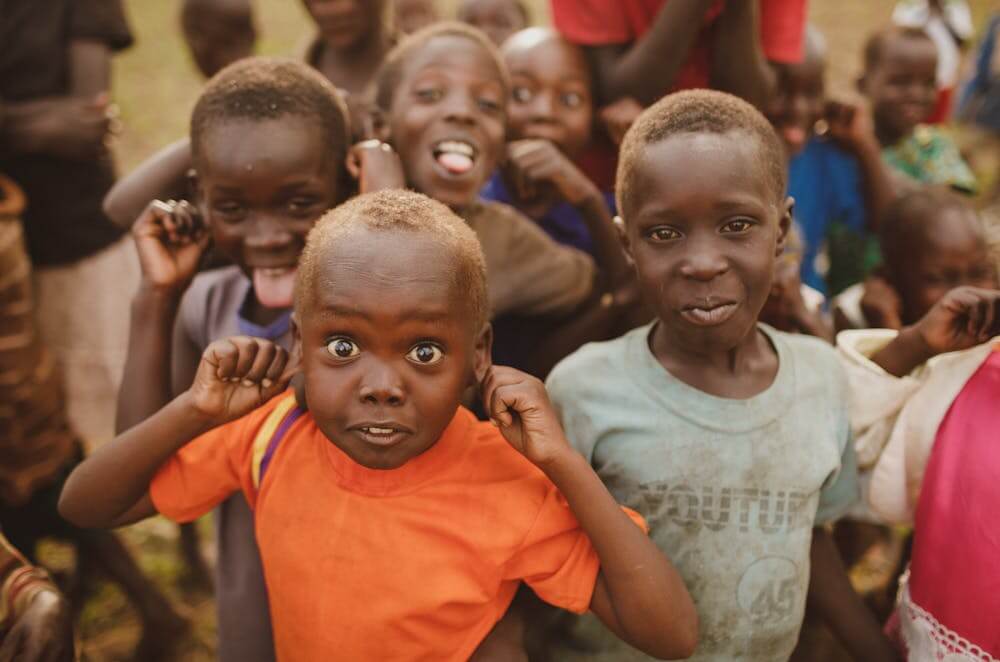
<point>697,111</point>
<point>398,211</point>
<point>263,88</point>
<point>876,43</point>
<point>909,218</point>
<point>519,5</point>
<point>390,74</point>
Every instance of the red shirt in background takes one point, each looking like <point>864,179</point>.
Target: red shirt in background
<point>606,22</point>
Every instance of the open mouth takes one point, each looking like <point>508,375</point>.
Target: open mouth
<point>381,434</point>
<point>274,286</point>
<point>456,157</point>
<point>709,313</point>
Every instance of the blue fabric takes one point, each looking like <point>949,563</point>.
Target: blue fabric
<point>827,185</point>
<point>272,331</point>
<point>563,222</point>
<point>983,85</point>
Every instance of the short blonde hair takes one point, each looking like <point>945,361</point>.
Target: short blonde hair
<point>398,211</point>
<point>697,111</point>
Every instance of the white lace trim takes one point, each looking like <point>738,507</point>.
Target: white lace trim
<point>930,641</point>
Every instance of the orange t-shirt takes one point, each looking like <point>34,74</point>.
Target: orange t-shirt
<point>414,563</point>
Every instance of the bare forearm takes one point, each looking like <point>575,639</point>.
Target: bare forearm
<point>833,597</point>
<point>878,187</point>
<point>647,69</point>
<point>738,63</point>
<point>906,351</point>
<point>22,131</point>
<point>650,603</point>
<point>161,177</point>
<point>117,476</point>
<point>146,386</point>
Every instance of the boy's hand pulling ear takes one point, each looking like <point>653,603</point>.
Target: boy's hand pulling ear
<point>170,238</point>
<point>963,318</point>
<point>519,406</point>
<point>236,375</point>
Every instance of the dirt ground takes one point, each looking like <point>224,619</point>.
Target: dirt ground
<point>156,85</point>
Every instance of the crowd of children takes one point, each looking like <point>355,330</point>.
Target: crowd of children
<point>485,340</point>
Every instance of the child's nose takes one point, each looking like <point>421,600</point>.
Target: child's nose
<point>704,263</point>
<point>543,106</point>
<point>268,233</point>
<point>382,386</point>
<point>461,108</point>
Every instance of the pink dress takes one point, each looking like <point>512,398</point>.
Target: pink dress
<point>950,608</point>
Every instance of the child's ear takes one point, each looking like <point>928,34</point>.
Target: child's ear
<point>195,193</point>
<point>784,224</point>
<point>483,354</point>
<point>295,358</point>
<point>377,125</point>
<point>622,233</point>
<point>861,84</point>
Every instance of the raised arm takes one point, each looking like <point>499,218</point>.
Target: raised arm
<point>738,63</point>
<point>639,595</point>
<point>852,128</point>
<point>963,318</point>
<point>170,240</point>
<point>162,176</point>
<point>646,69</point>
<point>110,488</point>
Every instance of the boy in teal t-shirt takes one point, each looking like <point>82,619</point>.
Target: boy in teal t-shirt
<point>731,438</point>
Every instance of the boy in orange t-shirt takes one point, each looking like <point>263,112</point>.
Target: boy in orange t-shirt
<point>391,524</point>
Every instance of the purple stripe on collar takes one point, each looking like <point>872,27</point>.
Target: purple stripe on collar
<point>272,445</point>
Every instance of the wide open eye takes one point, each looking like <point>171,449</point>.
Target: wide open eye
<point>342,348</point>
<point>425,353</point>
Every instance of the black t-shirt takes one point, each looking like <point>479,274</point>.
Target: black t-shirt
<point>63,220</point>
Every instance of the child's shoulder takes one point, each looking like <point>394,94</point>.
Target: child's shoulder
<point>492,215</point>
<point>802,346</point>
<point>606,359</point>
<point>491,460</point>
<point>210,285</point>
<point>814,360</point>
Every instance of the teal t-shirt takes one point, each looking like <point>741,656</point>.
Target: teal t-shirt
<point>731,489</point>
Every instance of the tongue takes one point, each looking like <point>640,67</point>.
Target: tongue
<point>458,164</point>
<point>274,290</point>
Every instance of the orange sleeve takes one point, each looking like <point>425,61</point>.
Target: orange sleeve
<point>206,471</point>
<point>556,558</point>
